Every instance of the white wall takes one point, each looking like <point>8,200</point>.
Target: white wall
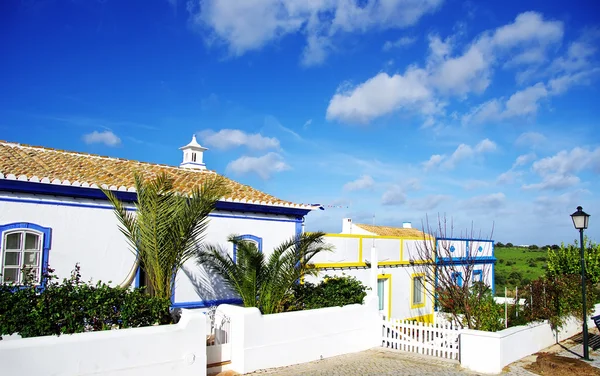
<point>489,352</point>
<point>90,236</point>
<point>278,340</point>
<point>158,350</point>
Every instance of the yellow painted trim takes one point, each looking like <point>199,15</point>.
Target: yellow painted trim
<point>377,237</point>
<point>412,291</point>
<point>340,265</point>
<point>389,278</point>
<point>401,249</point>
<point>360,250</point>
<point>423,318</point>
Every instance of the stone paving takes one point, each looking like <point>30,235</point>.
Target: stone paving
<point>379,361</point>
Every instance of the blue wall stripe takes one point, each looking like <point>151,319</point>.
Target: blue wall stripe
<point>206,303</point>
<point>106,207</point>
<point>95,193</point>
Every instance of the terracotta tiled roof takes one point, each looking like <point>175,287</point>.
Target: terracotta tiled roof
<point>391,231</point>
<point>46,165</point>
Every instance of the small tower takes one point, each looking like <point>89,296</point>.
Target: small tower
<point>193,155</point>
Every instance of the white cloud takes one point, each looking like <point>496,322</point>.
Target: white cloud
<point>568,162</point>
<point>485,146</point>
<point>528,28</point>
<point>264,166</point>
<point>364,182</point>
<point>251,24</point>
<point>490,201</point>
<point>307,123</point>
<point>447,74</point>
<point>433,162</point>
<point>428,202</point>
<point>554,182</point>
<point>393,196</point>
<point>231,138</point>
<point>398,43</point>
<point>462,152</point>
<point>524,159</point>
<point>522,103</point>
<point>530,139</point>
<point>107,138</point>
<point>508,177</point>
<point>559,171</point>
<point>378,96</point>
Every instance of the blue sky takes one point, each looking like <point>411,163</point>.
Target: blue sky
<point>389,110</point>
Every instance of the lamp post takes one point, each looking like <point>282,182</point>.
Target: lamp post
<point>580,221</point>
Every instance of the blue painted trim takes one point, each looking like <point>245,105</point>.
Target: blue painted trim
<point>256,239</point>
<point>299,228</point>
<point>466,239</point>
<point>131,197</point>
<point>206,303</point>
<point>477,273</point>
<point>466,261</point>
<point>47,239</point>
<point>494,279</point>
<point>137,277</point>
<point>106,207</point>
<point>458,278</point>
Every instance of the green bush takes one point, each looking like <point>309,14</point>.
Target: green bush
<point>73,306</point>
<point>330,292</point>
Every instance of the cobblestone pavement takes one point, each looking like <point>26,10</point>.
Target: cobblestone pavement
<point>379,361</point>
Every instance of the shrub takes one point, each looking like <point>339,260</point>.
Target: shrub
<point>73,306</point>
<point>501,261</point>
<point>556,298</point>
<point>509,245</point>
<point>330,292</point>
<point>478,310</point>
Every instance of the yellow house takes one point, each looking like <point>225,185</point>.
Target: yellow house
<point>401,286</point>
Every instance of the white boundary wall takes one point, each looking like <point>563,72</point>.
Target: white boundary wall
<point>178,349</point>
<point>265,341</point>
<point>489,352</point>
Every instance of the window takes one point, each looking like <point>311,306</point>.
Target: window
<point>457,278</point>
<point>24,252</point>
<point>193,157</point>
<point>249,238</point>
<point>477,275</point>
<point>381,293</point>
<point>418,291</point>
<point>384,290</point>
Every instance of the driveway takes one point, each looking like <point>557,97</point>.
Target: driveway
<point>379,361</point>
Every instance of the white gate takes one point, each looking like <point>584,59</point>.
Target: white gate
<point>437,340</point>
<point>218,340</point>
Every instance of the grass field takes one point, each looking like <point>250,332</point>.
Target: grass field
<point>517,266</point>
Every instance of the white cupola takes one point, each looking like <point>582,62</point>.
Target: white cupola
<point>193,155</point>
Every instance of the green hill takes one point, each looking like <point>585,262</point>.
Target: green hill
<point>517,266</point>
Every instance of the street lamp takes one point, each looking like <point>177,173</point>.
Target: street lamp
<point>580,221</point>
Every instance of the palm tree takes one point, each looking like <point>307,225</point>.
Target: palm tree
<point>264,281</point>
<point>164,231</point>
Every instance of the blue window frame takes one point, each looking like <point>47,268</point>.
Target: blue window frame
<point>24,245</point>
<point>457,278</point>
<point>477,275</point>
<point>255,239</point>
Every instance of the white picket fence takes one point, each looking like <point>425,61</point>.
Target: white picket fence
<point>439,340</point>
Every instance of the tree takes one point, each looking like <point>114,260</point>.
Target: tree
<point>167,226</point>
<point>509,245</point>
<point>264,281</point>
<point>441,267</point>
<point>567,260</point>
<point>499,245</point>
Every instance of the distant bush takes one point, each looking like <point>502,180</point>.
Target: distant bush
<point>533,247</point>
<point>501,261</point>
<point>509,245</point>
<point>499,245</point>
<point>73,306</point>
<point>531,264</point>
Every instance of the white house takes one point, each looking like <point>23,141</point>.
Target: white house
<point>404,290</point>
<point>400,285</point>
<point>52,214</point>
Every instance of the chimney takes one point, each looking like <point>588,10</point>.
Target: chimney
<point>406,225</point>
<point>193,155</point>
<point>347,226</point>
